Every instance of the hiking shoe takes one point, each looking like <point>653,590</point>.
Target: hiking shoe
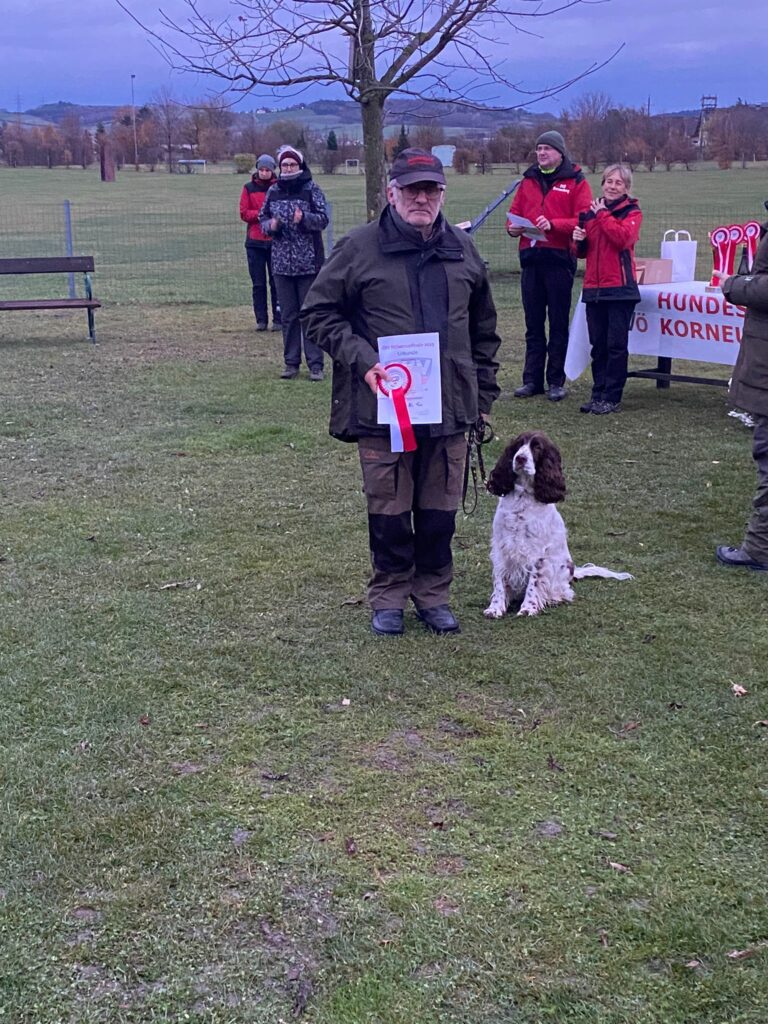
<point>589,406</point>
<point>439,619</point>
<point>527,391</point>
<point>556,393</point>
<point>387,622</point>
<point>316,375</point>
<point>737,558</point>
<point>276,325</point>
<point>261,325</point>
<point>289,373</point>
<point>604,408</point>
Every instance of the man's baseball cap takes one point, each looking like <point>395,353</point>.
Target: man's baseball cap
<point>414,165</point>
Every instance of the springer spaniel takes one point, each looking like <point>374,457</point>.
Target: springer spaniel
<point>529,546</point>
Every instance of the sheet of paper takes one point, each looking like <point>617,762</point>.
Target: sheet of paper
<point>420,353</point>
<point>530,229</point>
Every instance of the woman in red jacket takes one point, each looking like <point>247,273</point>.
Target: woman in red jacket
<point>258,246</point>
<point>606,235</point>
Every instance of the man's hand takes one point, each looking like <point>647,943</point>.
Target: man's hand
<point>543,224</point>
<point>374,375</point>
<point>579,234</point>
<point>514,232</point>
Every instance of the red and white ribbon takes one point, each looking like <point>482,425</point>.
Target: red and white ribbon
<point>402,437</point>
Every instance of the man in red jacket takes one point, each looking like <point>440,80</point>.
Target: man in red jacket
<point>552,195</point>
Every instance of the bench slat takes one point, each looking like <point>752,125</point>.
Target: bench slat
<point>46,265</point>
<point>7,304</point>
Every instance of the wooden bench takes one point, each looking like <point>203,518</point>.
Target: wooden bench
<point>54,265</point>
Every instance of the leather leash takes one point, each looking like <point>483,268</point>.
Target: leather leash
<point>479,434</point>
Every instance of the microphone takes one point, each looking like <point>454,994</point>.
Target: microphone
<point>765,204</point>
<point>583,215</point>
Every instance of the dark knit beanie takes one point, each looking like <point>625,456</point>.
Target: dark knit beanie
<point>553,139</point>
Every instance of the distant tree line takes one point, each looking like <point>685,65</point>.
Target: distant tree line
<point>165,131</point>
<point>597,132</point>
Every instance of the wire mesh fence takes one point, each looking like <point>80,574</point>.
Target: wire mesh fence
<point>155,251</point>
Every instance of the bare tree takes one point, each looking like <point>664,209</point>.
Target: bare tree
<point>170,116</point>
<point>436,49</point>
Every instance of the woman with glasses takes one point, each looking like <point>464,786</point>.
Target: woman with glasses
<point>294,215</point>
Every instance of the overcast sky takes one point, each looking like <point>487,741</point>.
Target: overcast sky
<point>675,51</point>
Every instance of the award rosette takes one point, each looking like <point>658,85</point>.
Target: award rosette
<point>402,437</point>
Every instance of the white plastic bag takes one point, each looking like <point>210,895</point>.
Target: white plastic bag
<point>681,249</point>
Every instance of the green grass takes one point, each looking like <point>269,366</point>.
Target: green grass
<point>197,827</point>
<point>173,239</point>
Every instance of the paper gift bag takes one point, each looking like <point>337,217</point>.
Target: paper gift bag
<point>653,271</point>
<point>681,249</point>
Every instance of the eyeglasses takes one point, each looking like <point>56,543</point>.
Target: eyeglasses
<point>430,189</point>
<point>289,163</point>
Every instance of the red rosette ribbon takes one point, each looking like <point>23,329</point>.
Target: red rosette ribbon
<point>401,432</point>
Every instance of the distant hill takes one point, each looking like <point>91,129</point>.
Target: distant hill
<point>25,119</point>
<point>90,116</point>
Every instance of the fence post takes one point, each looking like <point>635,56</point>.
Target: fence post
<point>329,229</point>
<point>68,242</point>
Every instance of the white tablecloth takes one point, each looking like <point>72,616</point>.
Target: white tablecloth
<point>683,321</point>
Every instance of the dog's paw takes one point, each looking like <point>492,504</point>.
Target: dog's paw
<point>529,609</point>
<point>494,611</point>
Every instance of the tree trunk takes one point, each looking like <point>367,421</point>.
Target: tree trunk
<point>372,111</point>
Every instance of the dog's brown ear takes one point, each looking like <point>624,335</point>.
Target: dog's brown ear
<point>502,478</point>
<point>549,482</point>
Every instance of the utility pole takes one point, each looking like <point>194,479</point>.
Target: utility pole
<point>133,118</point>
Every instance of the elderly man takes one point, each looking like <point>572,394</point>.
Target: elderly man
<point>410,272</point>
<point>552,195</point>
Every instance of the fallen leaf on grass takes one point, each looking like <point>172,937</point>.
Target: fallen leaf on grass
<point>552,763</point>
<point>603,936</point>
<point>274,776</point>
<point>763,722</point>
<point>352,600</point>
<point>623,731</point>
<point>186,768</point>
<point>693,964</point>
<point>675,705</point>
<point>145,720</point>
<point>603,833</point>
<point>350,846</point>
<point>738,690</point>
<point>446,906</point>
<point>649,638</point>
<point>181,585</point>
<point>621,868</point>
<point>743,954</point>
<point>345,702</point>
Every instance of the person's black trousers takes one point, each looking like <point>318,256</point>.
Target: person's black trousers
<point>608,324</point>
<point>291,291</point>
<point>260,268</point>
<point>546,293</point>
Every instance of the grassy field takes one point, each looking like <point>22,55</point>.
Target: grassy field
<point>224,800</point>
<point>161,238</point>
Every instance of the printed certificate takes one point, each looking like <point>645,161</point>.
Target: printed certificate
<point>420,354</point>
